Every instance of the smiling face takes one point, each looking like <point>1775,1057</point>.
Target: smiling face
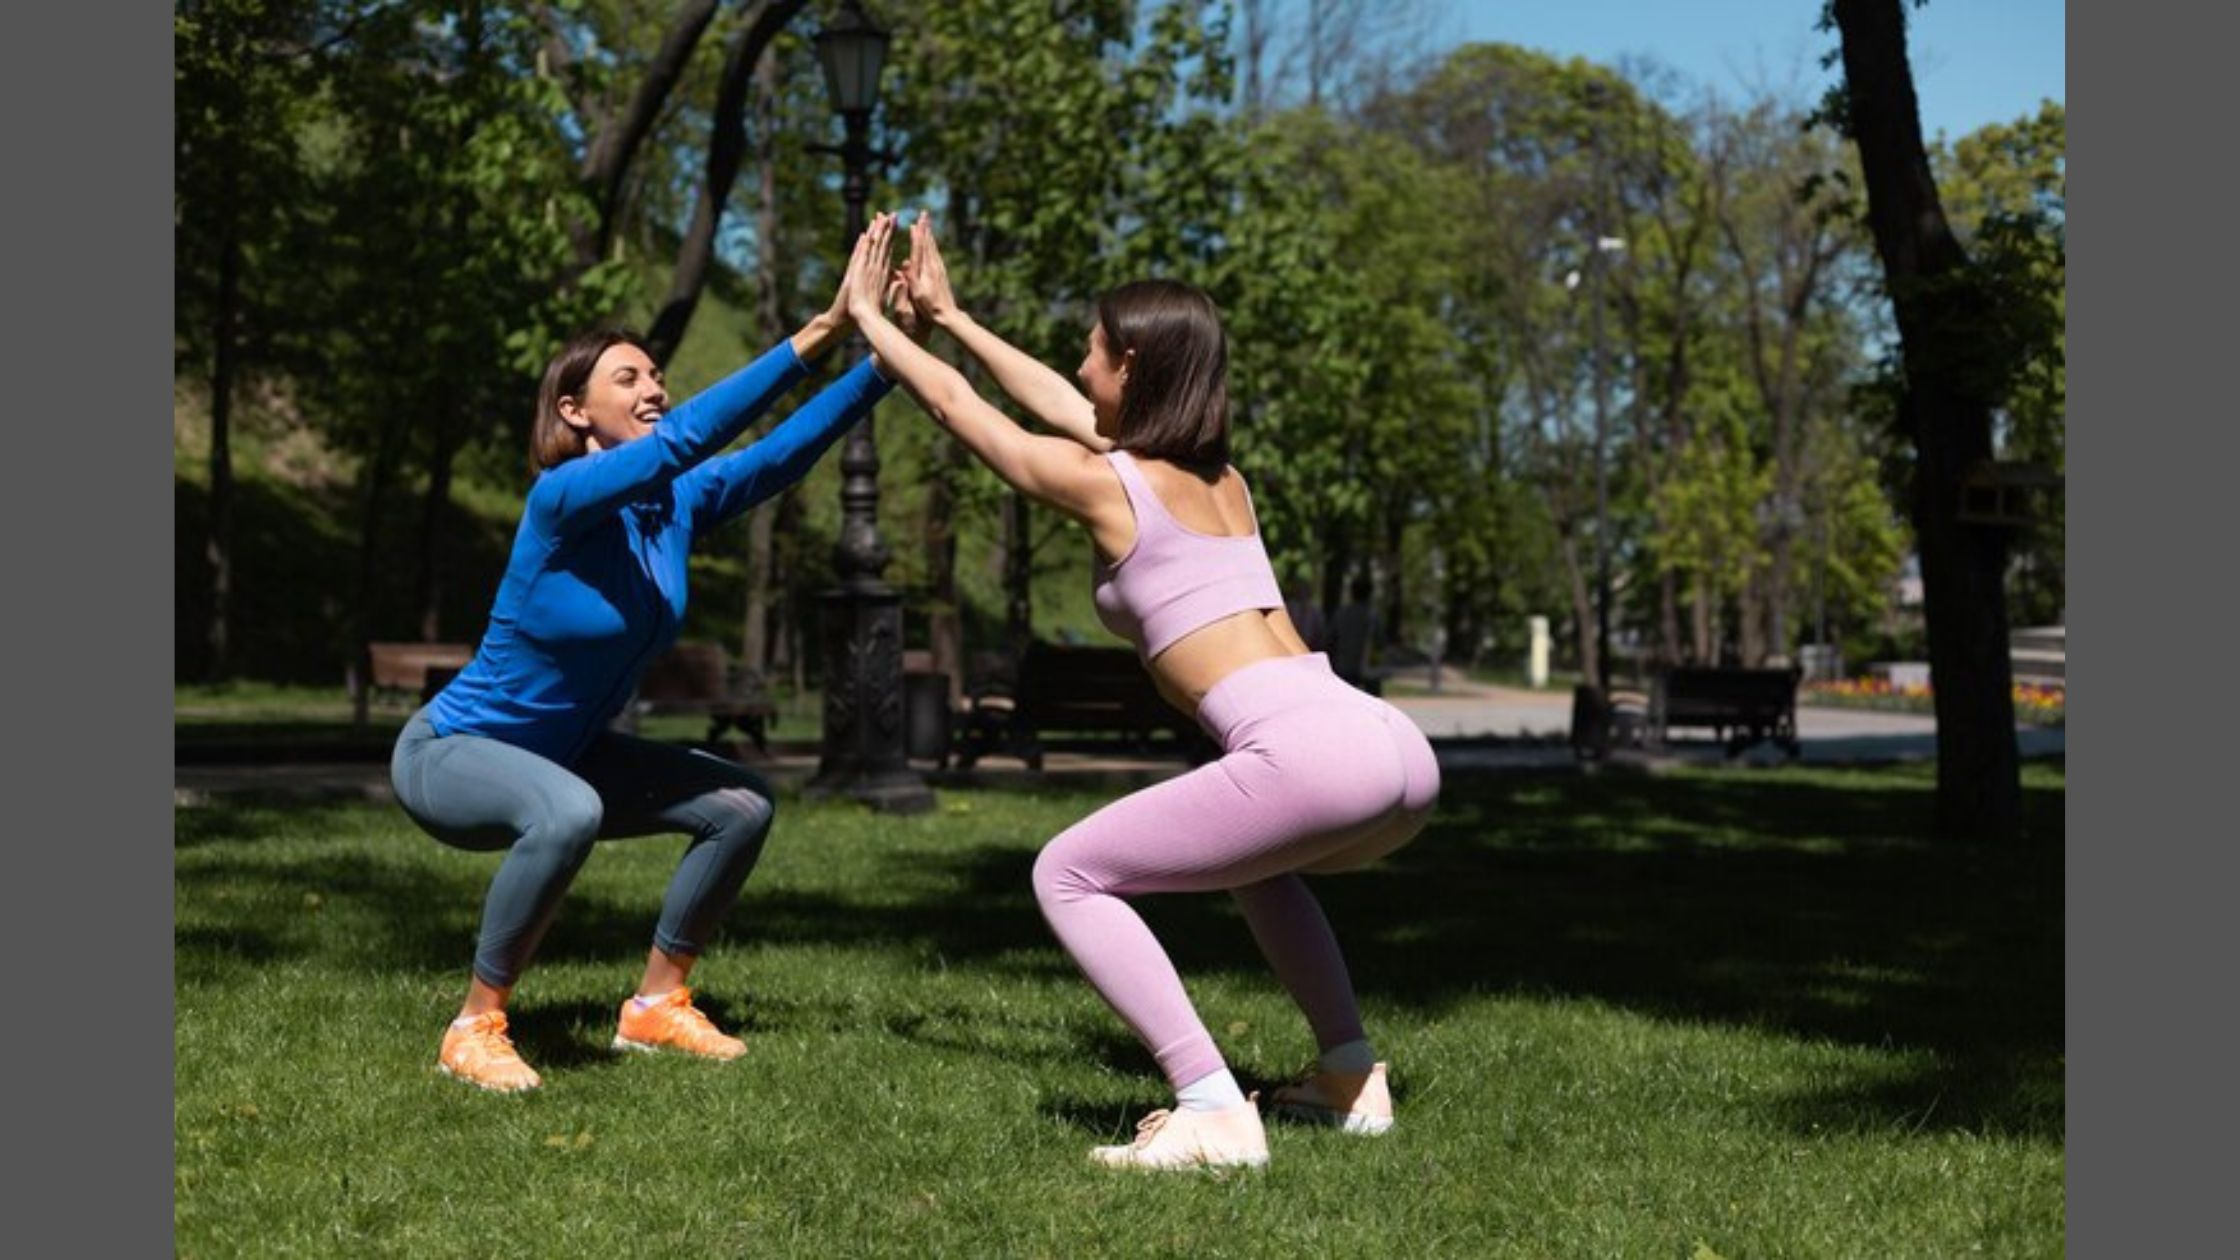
<point>1104,378</point>
<point>621,400</point>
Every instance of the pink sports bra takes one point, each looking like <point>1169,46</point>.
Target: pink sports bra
<point>1174,579</point>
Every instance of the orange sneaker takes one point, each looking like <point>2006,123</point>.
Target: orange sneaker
<point>673,1022</point>
<point>479,1053</point>
<point>1356,1104</point>
<point>1171,1140</point>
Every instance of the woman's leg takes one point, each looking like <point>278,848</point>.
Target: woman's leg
<point>484,794</point>
<point>726,809</point>
<point>652,788</point>
<point>1233,823</point>
<point>1294,936</point>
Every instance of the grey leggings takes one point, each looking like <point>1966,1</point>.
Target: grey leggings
<point>484,794</point>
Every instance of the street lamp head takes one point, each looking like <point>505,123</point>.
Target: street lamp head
<point>853,50</point>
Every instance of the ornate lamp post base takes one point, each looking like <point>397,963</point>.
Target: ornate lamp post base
<point>863,704</point>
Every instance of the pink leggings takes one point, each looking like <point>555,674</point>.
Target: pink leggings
<point>1316,777</point>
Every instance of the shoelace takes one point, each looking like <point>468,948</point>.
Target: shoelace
<point>488,1041</point>
<point>681,1010</point>
<point>1148,1127</point>
<point>696,1024</point>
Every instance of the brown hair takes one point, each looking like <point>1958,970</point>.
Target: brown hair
<point>1176,403</point>
<point>552,440</point>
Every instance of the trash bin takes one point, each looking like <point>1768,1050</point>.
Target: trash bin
<point>925,715</point>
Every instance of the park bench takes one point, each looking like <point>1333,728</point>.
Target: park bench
<point>1741,706</point>
<point>1101,690</point>
<point>416,669</point>
<point>701,679</point>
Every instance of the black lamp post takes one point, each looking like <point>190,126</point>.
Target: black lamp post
<point>864,730</point>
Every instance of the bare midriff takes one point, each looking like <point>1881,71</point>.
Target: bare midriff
<point>1192,665</point>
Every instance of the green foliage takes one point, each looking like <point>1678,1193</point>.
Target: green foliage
<point>1412,373</point>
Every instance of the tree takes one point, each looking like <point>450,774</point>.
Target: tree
<point>2005,187</point>
<point>423,295</point>
<point>1064,148</point>
<point>1780,213</point>
<point>1955,366</point>
<point>243,70</point>
<point>1550,151</point>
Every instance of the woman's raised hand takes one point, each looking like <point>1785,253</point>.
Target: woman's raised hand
<point>927,274</point>
<point>865,283</point>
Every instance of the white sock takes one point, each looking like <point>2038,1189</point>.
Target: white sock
<point>647,1001</point>
<point>1215,1091</point>
<point>1354,1058</point>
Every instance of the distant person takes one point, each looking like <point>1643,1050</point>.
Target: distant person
<point>1352,631</point>
<point>1306,616</point>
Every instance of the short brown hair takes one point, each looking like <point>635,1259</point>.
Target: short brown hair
<point>1176,403</point>
<point>552,440</point>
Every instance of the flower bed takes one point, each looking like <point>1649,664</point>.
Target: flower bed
<point>2035,704</point>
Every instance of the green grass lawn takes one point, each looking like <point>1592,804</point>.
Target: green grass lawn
<point>1742,1013</point>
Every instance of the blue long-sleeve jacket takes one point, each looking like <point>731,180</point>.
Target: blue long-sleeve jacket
<point>595,587</point>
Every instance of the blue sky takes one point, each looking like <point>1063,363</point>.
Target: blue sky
<point>1974,61</point>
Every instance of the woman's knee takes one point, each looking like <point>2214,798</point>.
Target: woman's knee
<point>743,813</point>
<point>569,821</point>
<point>1059,874</point>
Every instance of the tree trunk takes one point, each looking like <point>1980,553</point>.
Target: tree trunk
<point>1706,633</point>
<point>952,462</point>
<point>727,142</point>
<point>1337,566</point>
<point>1254,25</point>
<point>1582,607</point>
<point>754,627</point>
<point>1778,590</point>
<point>754,635</point>
<point>944,615</point>
<point>380,471</point>
<point>218,549</point>
<point>1018,573</point>
<point>1945,411</point>
<point>1668,618</point>
<point>607,159</point>
<point>786,653</point>
<point>1748,639</point>
<point>429,593</point>
<point>1395,602</point>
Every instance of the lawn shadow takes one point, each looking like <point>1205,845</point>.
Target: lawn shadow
<point>1803,904</point>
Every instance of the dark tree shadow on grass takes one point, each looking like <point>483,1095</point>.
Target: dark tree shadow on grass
<point>1800,904</point>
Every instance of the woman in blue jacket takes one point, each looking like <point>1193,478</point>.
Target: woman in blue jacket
<point>515,753</point>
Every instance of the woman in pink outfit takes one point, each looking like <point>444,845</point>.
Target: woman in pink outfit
<point>1315,777</point>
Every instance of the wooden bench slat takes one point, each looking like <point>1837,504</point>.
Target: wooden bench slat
<point>1063,688</point>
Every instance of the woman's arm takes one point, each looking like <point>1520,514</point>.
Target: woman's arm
<point>826,326</point>
<point>722,488</point>
<point>589,487</point>
<point>1033,384</point>
<point>1055,471</point>
<point>585,489</point>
